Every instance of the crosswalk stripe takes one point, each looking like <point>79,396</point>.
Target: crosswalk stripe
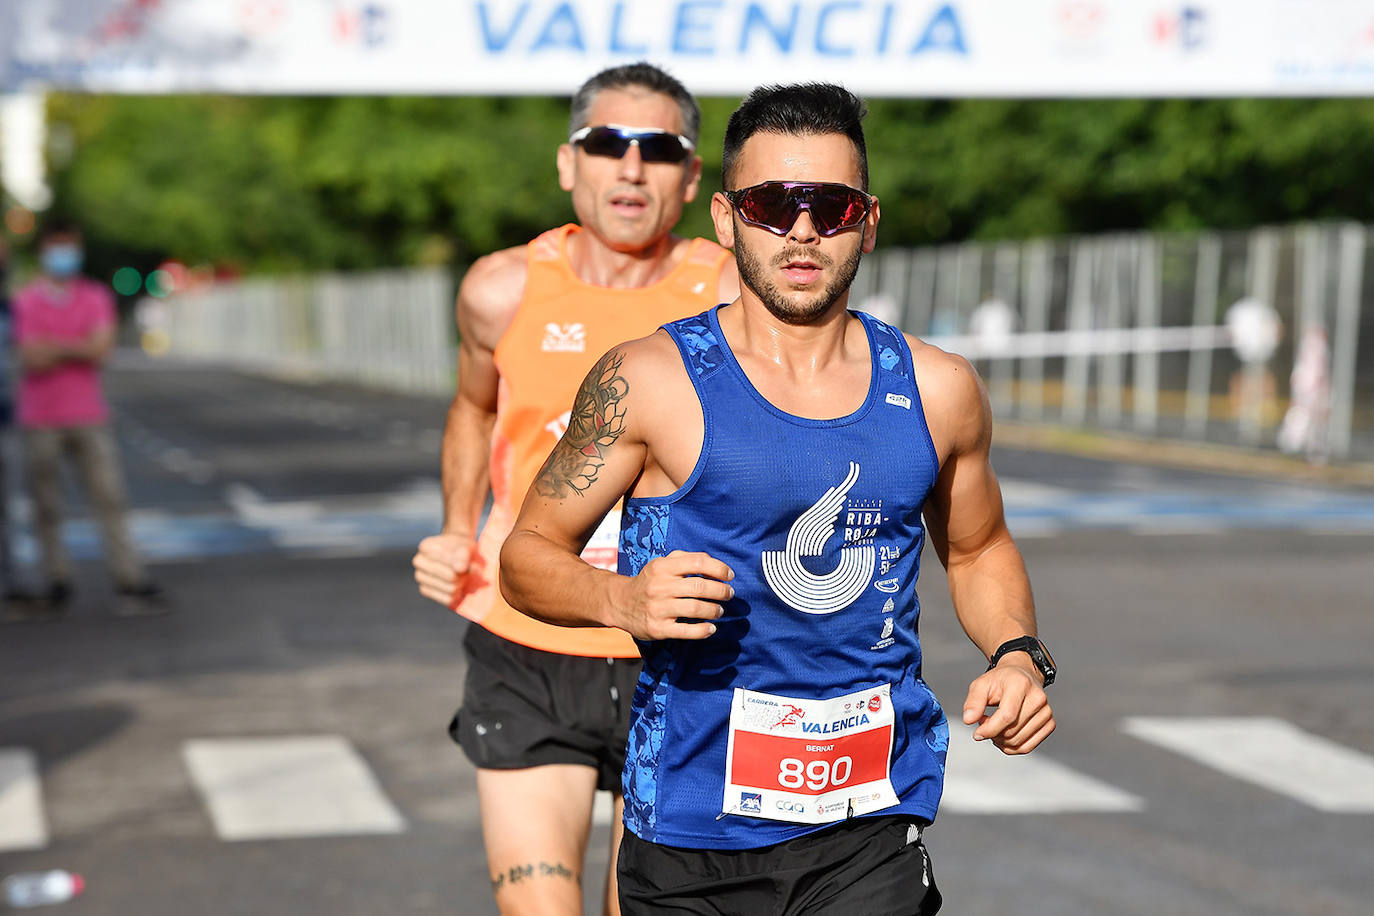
<point>1270,753</point>
<point>22,824</point>
<point>267,788</point>
<point>603,809</point>
<point>980,779</point>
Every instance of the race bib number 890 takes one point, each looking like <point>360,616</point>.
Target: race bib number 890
<point>809,761</point>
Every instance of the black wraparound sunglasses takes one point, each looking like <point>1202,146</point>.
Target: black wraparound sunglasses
<point>615,140</point>
<point>775,205</point>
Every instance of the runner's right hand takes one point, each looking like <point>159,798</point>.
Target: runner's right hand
<point>441,564</point>
<point>683,585</point>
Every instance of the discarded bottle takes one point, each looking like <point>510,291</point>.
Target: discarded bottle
<point>40,888</point>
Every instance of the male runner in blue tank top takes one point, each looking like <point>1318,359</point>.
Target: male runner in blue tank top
<point>784,459</point>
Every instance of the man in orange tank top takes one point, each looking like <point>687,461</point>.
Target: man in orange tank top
<point>546,709</point>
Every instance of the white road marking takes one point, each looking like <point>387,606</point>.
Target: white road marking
<point>22,824</point>
<point>1270,753</point>
<point>980,779</point>
<point>269,788</point>
<point>603,809</point>
<point>1034,528</point>
<point>1027,493</point>
<point>1177,525</point>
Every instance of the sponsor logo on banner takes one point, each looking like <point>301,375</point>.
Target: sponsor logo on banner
<point>835,590</point>
<point>1081,25</point>
<point>564,338</point>
<point>364,24</point>
<point>534,47</point>
<point>1184,28</point>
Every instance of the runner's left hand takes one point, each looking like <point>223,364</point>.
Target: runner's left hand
<point>1023,717</point>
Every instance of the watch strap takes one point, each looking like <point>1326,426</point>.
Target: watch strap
<point>1033,647</point>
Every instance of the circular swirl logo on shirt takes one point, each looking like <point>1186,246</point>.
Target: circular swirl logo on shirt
<point>804,590</point>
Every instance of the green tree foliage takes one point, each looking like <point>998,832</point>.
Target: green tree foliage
<point>993,169</point>
<point>307,183</point>
<point>271,184</point>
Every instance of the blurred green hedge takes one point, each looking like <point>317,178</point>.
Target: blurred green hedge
<point>264,184</point>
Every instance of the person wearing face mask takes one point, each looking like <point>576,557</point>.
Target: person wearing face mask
<point>64,328</point>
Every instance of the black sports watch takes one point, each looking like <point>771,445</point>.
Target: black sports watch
<point>1032,647</point>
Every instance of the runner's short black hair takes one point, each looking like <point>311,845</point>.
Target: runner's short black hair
<point>804,109</point>
<point>640,75</point>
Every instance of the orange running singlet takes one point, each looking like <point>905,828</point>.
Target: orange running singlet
<point>561,328</point>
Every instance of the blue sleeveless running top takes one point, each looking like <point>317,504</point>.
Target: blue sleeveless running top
<point>821,522</point>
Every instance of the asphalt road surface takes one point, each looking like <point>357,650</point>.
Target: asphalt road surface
<point>278,745</point>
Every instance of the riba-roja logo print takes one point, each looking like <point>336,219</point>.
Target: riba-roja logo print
<point>802,589</point>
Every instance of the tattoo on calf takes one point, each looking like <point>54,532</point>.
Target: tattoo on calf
<point>598,419</point>
<point>530,870</point>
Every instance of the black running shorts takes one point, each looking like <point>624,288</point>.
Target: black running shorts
<point>870,866</point>
<point>524,708</point>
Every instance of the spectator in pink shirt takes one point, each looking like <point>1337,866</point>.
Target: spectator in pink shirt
<point>64,327</point>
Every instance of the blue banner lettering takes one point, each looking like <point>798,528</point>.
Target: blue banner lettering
<point>690,27</point>
<point>561,32</point>
<point>823,46</point>
<point>885,29</point>
<point>942,33</point>
<point>495,42</point>
<point>756,18</point>
<point>618,43</point>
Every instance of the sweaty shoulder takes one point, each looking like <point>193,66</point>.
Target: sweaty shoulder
<point>651,361</point>
<point>658,382</point>
<point>952,396</point>
<point>490,294</point>
<point>662,413</point>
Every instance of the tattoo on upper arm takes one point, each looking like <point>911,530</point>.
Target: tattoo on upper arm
<point>598,419</point>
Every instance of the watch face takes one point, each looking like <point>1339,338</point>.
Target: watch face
<point>1043,660</point>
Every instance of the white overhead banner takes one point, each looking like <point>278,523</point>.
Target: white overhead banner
<point>717,47</point>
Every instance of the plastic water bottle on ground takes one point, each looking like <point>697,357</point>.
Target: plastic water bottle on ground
<point>40,888</point>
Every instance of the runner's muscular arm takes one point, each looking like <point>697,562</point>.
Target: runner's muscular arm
<point>487,299</point>
<point>606,448</point>
<point>987,575</point>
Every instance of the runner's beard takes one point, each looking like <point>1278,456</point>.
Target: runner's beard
<point>794,307</point>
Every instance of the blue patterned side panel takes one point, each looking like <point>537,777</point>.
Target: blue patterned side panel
<point>644,536</point>
<point>937,739</point>
<point>699,344</point>
<point>642,753</point>
<point>890,345</point>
